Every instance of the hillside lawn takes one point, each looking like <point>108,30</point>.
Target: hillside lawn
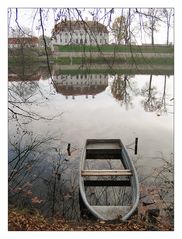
<point>116,48</point>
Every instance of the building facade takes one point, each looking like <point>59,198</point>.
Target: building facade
<point>18,42</point>
<point>80,32</point>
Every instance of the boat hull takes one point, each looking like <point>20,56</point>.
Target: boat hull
<point>108,149</point>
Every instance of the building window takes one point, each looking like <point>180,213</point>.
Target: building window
<point>60,40</point>
<point>76,41</point>
<point>85,41</point>
<point>65,40</point>
<point>100,41</point>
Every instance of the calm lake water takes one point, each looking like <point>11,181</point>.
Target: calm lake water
<point>77,107</point>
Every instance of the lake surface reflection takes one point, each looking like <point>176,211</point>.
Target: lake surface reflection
<point>71,108</point>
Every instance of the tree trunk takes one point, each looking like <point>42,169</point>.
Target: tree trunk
<point>167,36</point>
<point>152,35</point>
<point>152,29</point>
<point>168,33</point>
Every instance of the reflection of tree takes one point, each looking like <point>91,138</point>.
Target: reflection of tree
<point>25,72</point>
<point>161,104</point>
<point>151,102</point>
<point>23,82</point>
<point>20,98</point>
<point>45,74</point>
<point>23,87</point>
<point>26,153</point>
<point>61,188</point>
<point>36,181</point>
<point>149,93</point>
<point>122,90</point>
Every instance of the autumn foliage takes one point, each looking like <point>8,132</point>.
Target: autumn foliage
<point>23,221</point>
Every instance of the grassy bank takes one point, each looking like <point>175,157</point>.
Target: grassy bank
<point>112,60</point>
<point>116,48</point>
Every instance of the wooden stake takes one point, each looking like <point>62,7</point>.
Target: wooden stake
<point>136,145</point>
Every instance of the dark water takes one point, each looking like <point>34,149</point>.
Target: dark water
<point>45,116</point>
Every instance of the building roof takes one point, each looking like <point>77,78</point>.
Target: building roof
<point>23,40</point>
<point>84,90</point>
<point>93,26</point>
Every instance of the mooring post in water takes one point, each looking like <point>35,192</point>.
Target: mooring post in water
<point>68,149</point>
<point>136,145</point>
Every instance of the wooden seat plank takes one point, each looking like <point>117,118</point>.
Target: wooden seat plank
<point>125,172</point>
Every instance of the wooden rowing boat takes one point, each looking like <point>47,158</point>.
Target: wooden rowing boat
<point>109,179</point>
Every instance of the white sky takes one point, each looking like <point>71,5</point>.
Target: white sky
<point>26,18</point>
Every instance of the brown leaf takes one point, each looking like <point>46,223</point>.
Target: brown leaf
<point>36,200</point>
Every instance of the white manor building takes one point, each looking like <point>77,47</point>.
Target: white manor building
<point>80,32</point>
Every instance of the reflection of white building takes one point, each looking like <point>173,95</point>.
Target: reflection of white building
<point>81,84</point>
<point>80,32</point>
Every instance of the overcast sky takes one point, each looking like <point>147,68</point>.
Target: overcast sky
<point>29,18</point>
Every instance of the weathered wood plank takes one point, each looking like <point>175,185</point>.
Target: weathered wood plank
<point>103,145</point>
<point>125,172</point>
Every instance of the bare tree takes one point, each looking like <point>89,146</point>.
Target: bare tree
<point>21,32</point>
<point>153,22</point>
<point>150,21</point>
<point>168,14</point>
